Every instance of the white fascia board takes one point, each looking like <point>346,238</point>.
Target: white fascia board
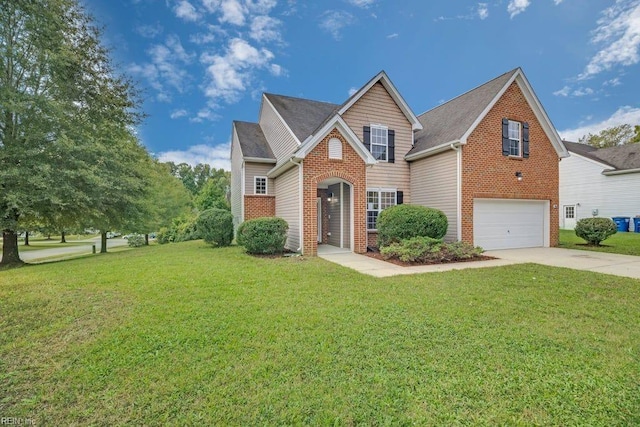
<point>259,160</point>
<point>395,95</point>
<point>336,122</point>
<point>286,125</point>
<point>281,167</point>
<point>433,150</point>
<point>620,171</point>
<point>595,162</point>
<point>535,105</point>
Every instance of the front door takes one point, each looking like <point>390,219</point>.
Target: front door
<point>569,217</point>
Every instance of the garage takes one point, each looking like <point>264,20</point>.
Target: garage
<point>510,224</point>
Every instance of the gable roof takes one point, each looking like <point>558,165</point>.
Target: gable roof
<point>618,158</point>
<point>383,79</point>
<point>453,121</point>
<point>303,116</point>
<point>253,143</point>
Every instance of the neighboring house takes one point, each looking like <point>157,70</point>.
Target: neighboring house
<point>488,159</point>
<point>601,182</point>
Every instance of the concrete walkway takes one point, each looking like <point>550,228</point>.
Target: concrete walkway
<point>619,265</point>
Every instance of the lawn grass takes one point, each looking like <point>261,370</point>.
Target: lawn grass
<point>187,334</point>
<point>619,243</point>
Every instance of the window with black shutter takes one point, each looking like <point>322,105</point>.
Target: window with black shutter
<point>380,142</point>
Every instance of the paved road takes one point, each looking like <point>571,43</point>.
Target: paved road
<point>69,250</point>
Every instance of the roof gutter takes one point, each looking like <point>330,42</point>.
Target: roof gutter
<point>279,169</point>
<point>620,172</point>
<point>259,160</point>
<point>452,145</point>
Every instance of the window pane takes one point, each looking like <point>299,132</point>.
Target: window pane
<point>372,200</point>
<point>514,130</point>
<point>514,148</point>
<point>388,198</point>
<point>372,216</point>
<point>261,185</point>
<point>379,152</point>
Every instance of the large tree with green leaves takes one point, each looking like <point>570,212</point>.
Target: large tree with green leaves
<point>613,136</point>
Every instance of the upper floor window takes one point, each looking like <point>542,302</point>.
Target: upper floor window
<point>379,142</point>
<point>514,138</point>
<point>260,185</point>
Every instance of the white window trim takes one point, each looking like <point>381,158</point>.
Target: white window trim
<point>371,143</point>
<point>519,139</point>
<point>379,191</point>
<point>255,185</point>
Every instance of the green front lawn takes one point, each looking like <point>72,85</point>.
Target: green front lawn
<point>619,243</point>
<point>184,334</point>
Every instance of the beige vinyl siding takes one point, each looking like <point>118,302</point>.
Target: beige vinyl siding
<point>251,170</point>
<point>377,107</point>
<point>236,180</point>
<point>280,139</point>
<point>434,183</point>
<point>288,204</point>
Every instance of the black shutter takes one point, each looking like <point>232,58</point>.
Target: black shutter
<point>525,140</point>
<point>505,137</point>
<point>399,197</point>
<point>391,144</point>
<point>366,137</point>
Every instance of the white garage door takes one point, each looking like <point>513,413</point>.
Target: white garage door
<point>509,224</point>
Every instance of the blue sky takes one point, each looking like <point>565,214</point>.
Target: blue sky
<point>203,63</point>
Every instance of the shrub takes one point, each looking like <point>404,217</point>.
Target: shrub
<point>426,249</point>
<point>406,221</point>
<point>215,226</point>
<point>136,240</point>
<point>181,229</point>
<point>595,230</point>
<point>263,235</point>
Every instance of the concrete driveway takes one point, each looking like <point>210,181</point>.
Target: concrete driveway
<point>599,262</point>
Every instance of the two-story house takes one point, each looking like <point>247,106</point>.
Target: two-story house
<point>488,159</point>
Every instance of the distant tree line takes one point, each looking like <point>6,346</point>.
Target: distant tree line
<point>613,136</point>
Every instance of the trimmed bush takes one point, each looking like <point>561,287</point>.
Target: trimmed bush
<point>182,229</point>
<point>401,222</point>
<point>263,235</point>
<point>428,250</point>
<point>136,241</point>
<point>595,230</point>
<point>215,226</point>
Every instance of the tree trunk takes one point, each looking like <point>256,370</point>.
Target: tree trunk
<point>10,255</point>
<point>103,242</point>
<point>26,238</point>
<point>146,239</point>
<point>63,237</point>
<point>48,236</point>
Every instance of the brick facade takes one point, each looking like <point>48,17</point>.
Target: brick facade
<point>258,206</point>
<point>316,168</point>
<point>486,173</point>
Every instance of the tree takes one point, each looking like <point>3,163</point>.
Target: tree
<point>613,136</point>
<point>214,193</point>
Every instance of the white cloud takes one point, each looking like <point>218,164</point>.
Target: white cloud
<point>352,91</point>
<point>624,115</point>
<point>176,114</point>
<point>613,82</point>
<point>149,31</point>
<point>483,11</point>
<point>362,3</point>
<point>557,2</point>
<point>333,21</point>
<point>215,156</point>
<point>186,11</point>
<point>205,114</point>
<point>233,12</point>
<point>618,33</point>
<point>582,91</point>
<point>166,69</point>
<point>393,36</point>
<point>277,70</point>
<point>517,6</point>
<point>261,6</point>
<point>230,74</point>
<point>265,29</point>
<point>563,92</point>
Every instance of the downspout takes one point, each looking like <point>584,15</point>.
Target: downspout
<point>456,148</point>
<point>301,201</point>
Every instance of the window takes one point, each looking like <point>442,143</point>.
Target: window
<point>514,138</point>
<point>335,149</point>
<point>379,142</point>
<point>377,200</point>
<point>260,185</point>
<point>569,212</point>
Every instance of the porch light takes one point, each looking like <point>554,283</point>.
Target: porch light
<point>330,197</point>
<point>519,176</point>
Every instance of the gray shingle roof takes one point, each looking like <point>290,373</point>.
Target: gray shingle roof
<point>252,141</point>
<point>302,115</point>
<point>449,121</point>
<point>620,157</point>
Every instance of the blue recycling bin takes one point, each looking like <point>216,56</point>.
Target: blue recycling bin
<point>636,225</point>
<point>622,222</point>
